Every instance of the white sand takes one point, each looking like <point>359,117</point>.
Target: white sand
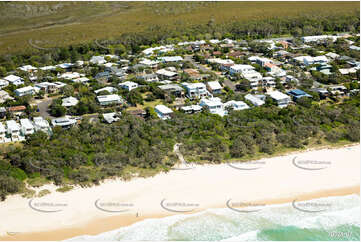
<point>208,186</point>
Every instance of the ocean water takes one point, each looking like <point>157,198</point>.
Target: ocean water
<point>283,222</point>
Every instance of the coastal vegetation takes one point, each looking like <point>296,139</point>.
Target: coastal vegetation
<point>92,151</point>
<point>38,26</point>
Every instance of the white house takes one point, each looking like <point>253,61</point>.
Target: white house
<point>28,90</point>
<point>28,68</point>
<point>40,124</point>
<point>15,80</point>
<point>165,74</point>
<point>47,68</point>
<point>69,75</point>
<point>13,129</point>
<point>64,122</point>
<point>3,83</point>
<point>98,60</point>
<point>167,59</point>
<point>4,96</point>
<point>317,38</point>
<point>214,87</point>
<point>108,89</point>
<point>111,117</point>
<point>65,65</point>
<point>148,62</point>
<point>248,72</point>
<point>163,112</point>
<point>27,127</point>
<point>268,81</point>
<point>254,100</point>
<point>282,99</point>
<point>83,80</point>
<point>50,87</point>
<point>128,85</point>
<point>109,99</point>
<point>191,109</point>
<point>196,90</point>
<point>236,105</point>
<point>214,105</point>
<point>69,102</point>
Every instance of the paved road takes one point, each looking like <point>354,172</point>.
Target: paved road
<point>43,108</point>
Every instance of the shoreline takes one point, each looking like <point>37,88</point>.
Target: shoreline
<point>147,192</point>
<point>115,222</point>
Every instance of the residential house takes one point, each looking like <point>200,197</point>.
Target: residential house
<point>248,72</point>
<point>109,99</point>
<point>111,117</point>
<point>13,130</point>
<point>214,87</point>
<point>98,60</point>
<point>255,100</point>
<point>137,112</point>
<point>15,80</point>
<point>65,66</point>
<point>69,75</point>
<point>50,87</point>
<point>28,90</point>
<point>3,83</point>
<point>236,105</point>
<point>167,75</point>
<point>282,99</point>
<point>128,85</point>
<point>338,90</point>
<point>268,82</point>
<point>332,55</point>
<point>27,127</point>
<point>17,109</point>
<point>173,89</point>
<point>163,112</point>
<point>83,80</point>
<point>116,71</point>
<point>322,92</point>
<point>191,109</point>
<point>40,124</point>
<point>297,94</point>
<point>318,38</point>
<point>28,68</point>
<point>106,89</point>
<point>64,122</point>
<point>149,63</point>
<point>4,96</point>
<point>148,77</point>
<point>168,59</point>
<point>275,70</point>
<point>196,90</point>
<point>69,102</point>
<point>214,105</point>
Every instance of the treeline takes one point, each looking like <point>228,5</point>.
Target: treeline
<point>92,151</point>
<point>133,42</point>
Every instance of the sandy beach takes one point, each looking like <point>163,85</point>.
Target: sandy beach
<point>116,203</point>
